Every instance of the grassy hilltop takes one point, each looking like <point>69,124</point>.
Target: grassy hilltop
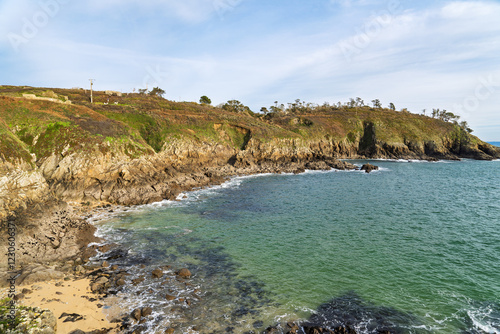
<point>140,124</point>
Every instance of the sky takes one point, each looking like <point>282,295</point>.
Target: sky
<point>416,54</point>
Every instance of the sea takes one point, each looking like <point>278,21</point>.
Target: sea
<point>412,248</point>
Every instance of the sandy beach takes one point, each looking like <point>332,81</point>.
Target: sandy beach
<point>71,302</point>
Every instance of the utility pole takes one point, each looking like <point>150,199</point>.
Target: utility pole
<point>91,97</point>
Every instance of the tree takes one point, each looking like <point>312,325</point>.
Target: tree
<point>464,125</point>
<point>359,102</point>
<point>235,106</point>
<point>157,91</point>
<point>205,100</point>
<point>351,103</point>
<point>264,110</point>
<point>376,103</point>
<point>143,91</point>
<point>392,106</point>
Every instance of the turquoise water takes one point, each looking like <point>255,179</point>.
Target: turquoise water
<point>414,247</point>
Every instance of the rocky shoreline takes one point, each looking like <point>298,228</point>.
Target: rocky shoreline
<point>54,241</point>
<point>56,232</point>
<point>60,165</point>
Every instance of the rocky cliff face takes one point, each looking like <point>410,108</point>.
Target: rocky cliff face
<point>185,164</point>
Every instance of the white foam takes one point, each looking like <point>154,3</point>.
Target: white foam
<point>415,161</point>
<point>481,320</point>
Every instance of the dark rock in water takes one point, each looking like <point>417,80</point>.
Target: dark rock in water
<point>342,313</point>
<point>258,324</point>
<point>184,273</point>
<point>338,330</point>
<point>299,170</point>
<point>170,331</point>
<point>145,311</point>
<point>369,167</point>
<point>116,254</point>
<point>169,297</point>
<point>293,328</point>
<point>136,314</point>
<point>157,273</point>
<point>138,280</point>
<point>341,165</point>
<point>272,330</point>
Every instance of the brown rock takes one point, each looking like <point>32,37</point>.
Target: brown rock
<point>136,314</point>
<point>137,280</point>
<point>184,273</point>
<point>101,280</point>
<point>368,167</point>
<point>169,297</point>
<point>19,296</point>
<point>170,331</point>
<point>120,282</point>
<point>157,273</point>
<point>145,311</point>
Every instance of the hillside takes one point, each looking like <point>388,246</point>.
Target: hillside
<point>138,148</point>
<point>61,156</point>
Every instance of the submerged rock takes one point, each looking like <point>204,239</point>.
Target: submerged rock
<point>157,273</point>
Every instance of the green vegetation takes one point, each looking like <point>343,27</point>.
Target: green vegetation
<point>157,91</point>
<point>136,124</point>
<point>205,100</point>
<point>5,322</point>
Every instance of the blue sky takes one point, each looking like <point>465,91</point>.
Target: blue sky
<point>416,54</point>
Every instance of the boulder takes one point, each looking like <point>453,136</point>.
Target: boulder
<point>120,282</point>
<point>184,273</point>
<point>369,167</point>
<point>145,311</point>
<point>157,273</point>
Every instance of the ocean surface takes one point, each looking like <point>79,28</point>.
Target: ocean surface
<point>413,247</point>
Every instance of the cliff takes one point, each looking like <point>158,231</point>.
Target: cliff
<point>134,149</point>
